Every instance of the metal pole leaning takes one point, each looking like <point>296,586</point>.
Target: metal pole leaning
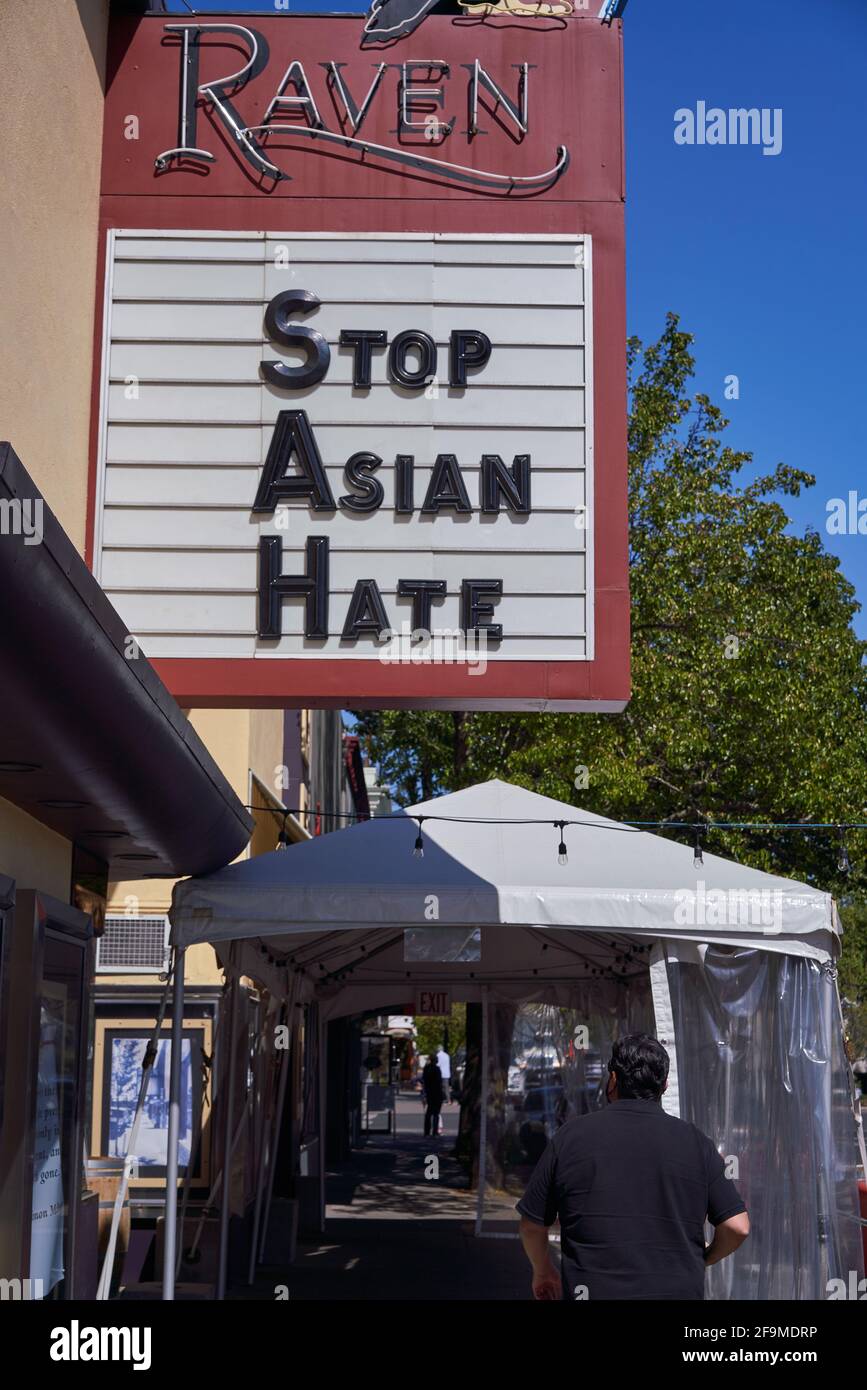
<point>170,1228</point>
<point>323,1111</point>
<point>275,1137</point>
<point>267,1095</point>
<point>228,1092</point>
<point>483,1118</point>
<point>214,1193</point>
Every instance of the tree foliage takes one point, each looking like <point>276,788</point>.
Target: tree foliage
<point>431,1031</point>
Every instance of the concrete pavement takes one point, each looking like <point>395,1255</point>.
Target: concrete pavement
<point>399,1226</point>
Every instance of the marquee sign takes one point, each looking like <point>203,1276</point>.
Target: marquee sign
<point>359,430</point>
<point>295,111</point>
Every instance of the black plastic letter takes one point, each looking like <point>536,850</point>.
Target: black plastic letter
<point>293,435</point>
<point>312,586</point>
<point>475,609</point>
<point>281,329</point>
<point>370,494</point>
<point>367,613</point>
<point>404,465</point>
<point>361,340</point>
<point>467,348</point>
<point>446,487</point>
<point>512,484</point>
<point>422,592</point>
<point>424,345</point>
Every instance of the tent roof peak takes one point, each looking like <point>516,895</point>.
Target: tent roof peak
<point>507,800</point>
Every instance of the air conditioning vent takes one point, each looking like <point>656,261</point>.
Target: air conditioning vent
<point>131,944</point>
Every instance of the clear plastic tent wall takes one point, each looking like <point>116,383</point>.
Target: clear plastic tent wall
<point>761,1070</point>
<point>547,1062</point>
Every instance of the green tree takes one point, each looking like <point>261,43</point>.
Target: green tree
<point>749,690</point>
<point>430,1031</point>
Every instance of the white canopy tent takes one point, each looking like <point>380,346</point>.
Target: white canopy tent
<point>358,919</point>
<point>490,858</point>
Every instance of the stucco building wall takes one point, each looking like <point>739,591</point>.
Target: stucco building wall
<point>51,112</point>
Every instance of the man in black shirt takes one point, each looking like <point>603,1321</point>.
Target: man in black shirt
<point>632,1188</point>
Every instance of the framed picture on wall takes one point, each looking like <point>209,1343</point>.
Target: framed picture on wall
<point>120,1046</point>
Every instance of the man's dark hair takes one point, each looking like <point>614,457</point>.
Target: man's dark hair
<point>640,1064</point>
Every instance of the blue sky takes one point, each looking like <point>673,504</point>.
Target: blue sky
<point>764,257</point>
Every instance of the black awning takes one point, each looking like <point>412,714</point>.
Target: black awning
<point>91,742</point>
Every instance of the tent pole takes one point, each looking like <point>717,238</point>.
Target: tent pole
<point>228,1089</point>
<point>483,1115</point>
<point>322,1115</point>
<point>275,1138</point>
<point>216,1051</point>
<point>266,1095</point>
<point>170,1227</point>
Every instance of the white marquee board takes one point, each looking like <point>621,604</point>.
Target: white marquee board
<point>187,420</point>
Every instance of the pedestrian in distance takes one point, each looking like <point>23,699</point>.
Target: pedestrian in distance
<point>444,1062</point>
<point>432,1087</point>
<point>632,1187</point>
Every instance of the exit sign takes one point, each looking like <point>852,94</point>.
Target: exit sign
<point>433,1003</point>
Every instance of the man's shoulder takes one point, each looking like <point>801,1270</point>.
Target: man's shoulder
<point>580,1127</point>
<point>595,1120</point>
<point>686,1134</point>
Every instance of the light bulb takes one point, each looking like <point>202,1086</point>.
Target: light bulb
<point>418,850</point>
<point>562,856</point>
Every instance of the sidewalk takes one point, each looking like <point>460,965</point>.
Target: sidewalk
<point>392,1234</point>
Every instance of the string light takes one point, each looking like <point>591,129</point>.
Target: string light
<point>628,827</point>
<point>562,855</point>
